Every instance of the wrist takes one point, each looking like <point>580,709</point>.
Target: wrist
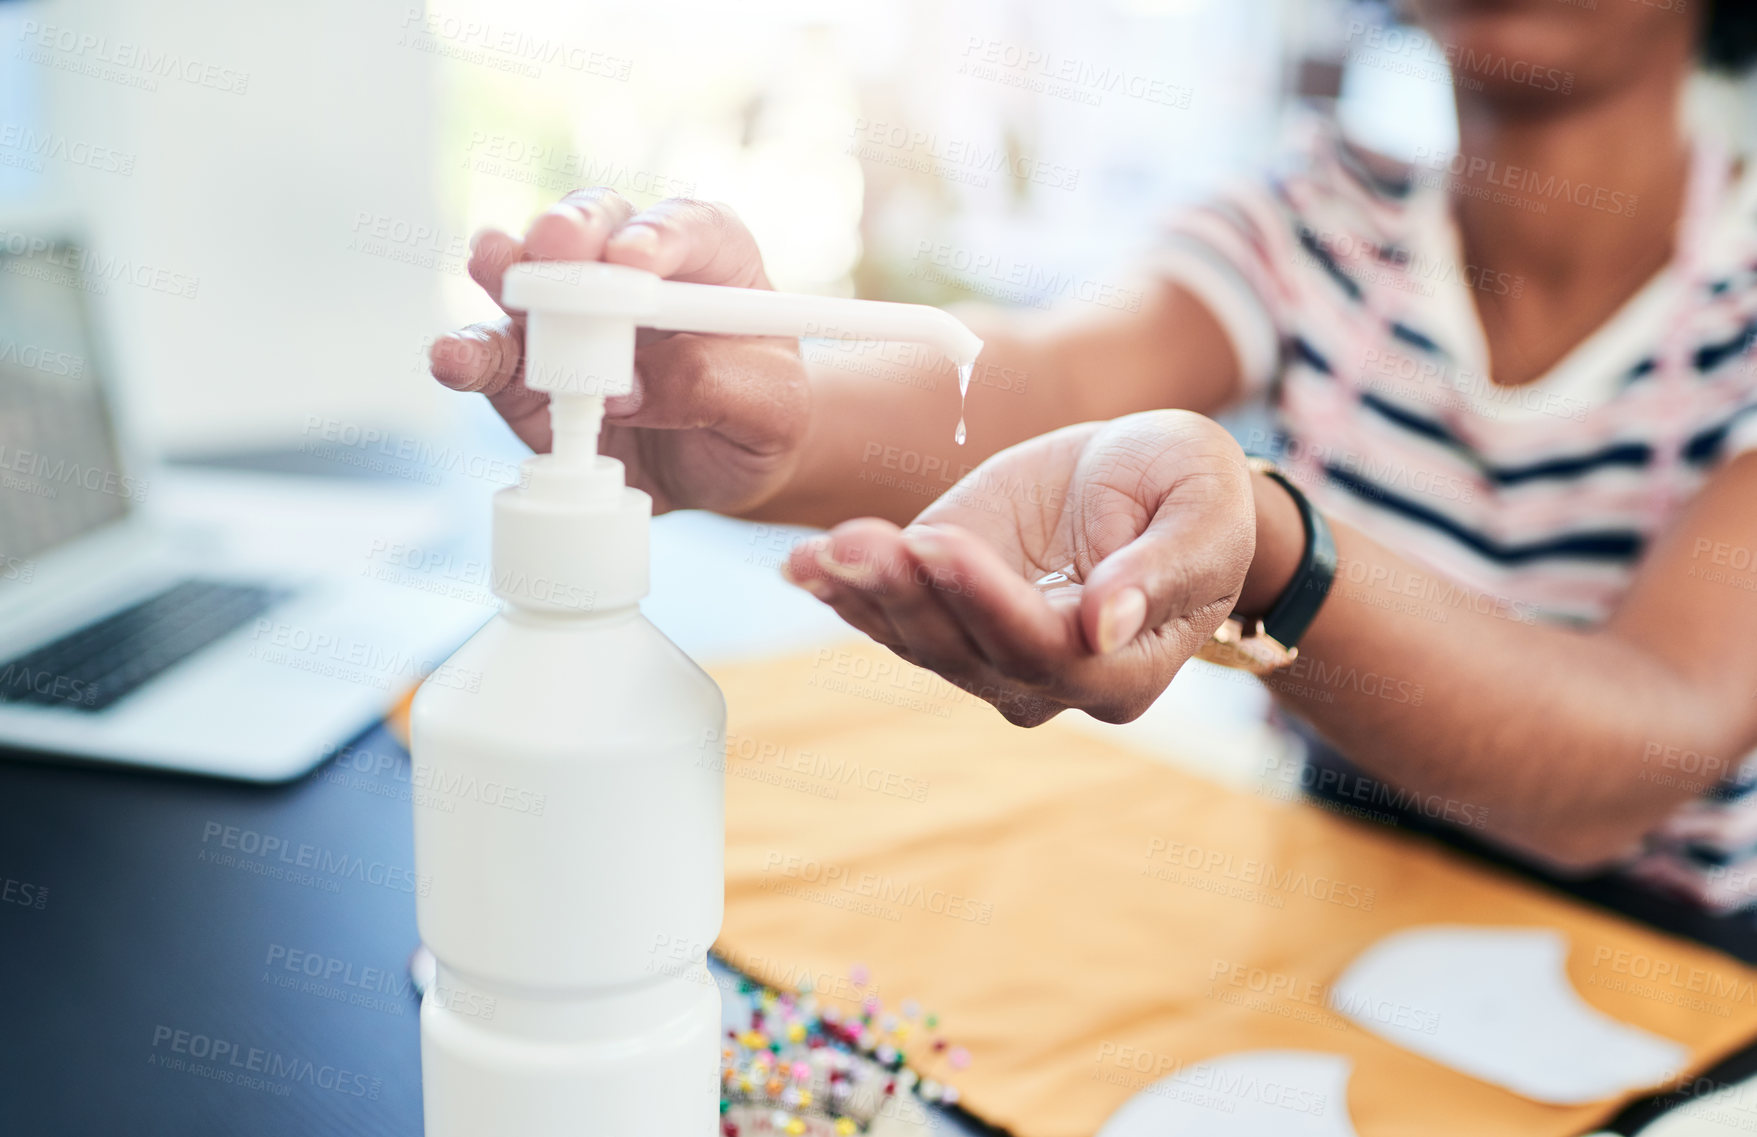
<point>1280,545</point>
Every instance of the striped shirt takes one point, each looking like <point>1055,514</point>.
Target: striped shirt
<point>1341,285</point>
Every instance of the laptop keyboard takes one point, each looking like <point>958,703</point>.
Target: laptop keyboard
<point>90,668</point>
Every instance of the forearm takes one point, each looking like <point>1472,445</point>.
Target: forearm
<point>881,440</point>
<point>881,437</point>
<point>1549,733</point>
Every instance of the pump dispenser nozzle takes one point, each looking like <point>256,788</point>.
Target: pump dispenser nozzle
<point>585,308</point>
<point>581,319</point>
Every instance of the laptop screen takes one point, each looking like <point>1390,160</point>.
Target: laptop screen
<point>61,474</point>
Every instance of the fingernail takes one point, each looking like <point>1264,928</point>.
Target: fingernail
<point>810,584</point>
<point>448,354</point>
<point>640,239</point>
<point>564,215</point>
<point>858,575</point>
<point>1121,619</point>
<point>926,543</point>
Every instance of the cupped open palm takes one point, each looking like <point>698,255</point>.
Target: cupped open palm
<point>1078,569</point>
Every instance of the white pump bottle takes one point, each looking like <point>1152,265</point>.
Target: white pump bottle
<point>570,828</point>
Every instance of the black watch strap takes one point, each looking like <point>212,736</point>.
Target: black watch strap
<point>1295,609</point>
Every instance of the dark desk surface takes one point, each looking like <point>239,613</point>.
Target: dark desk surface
<point>147,924</point>
<point>151,926</point>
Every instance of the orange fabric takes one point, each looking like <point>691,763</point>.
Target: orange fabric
<point>1086,919</point>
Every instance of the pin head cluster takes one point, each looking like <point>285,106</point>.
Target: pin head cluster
<point>805,1069</point>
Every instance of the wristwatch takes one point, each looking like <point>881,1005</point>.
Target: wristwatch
<point>1271,643</point>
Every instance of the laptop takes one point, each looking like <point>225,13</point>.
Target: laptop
<point>127,636</point>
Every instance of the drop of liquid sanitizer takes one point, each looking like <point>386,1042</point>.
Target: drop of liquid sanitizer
<point>964,371</point>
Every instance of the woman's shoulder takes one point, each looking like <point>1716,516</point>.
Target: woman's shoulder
<point>1333,190</point>
<point>1348,167</point>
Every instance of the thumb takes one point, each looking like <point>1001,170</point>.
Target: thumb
<point>1173,540</point>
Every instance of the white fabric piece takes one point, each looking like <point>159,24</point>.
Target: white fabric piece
<point>1496,1004</point>
<point>1258,1093</point>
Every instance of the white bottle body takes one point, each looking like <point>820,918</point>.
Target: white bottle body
<point>569,836</point>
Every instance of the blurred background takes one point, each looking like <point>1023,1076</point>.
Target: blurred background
<point>316,170</point>
<point>280,198</point>
<point>310,175</point>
